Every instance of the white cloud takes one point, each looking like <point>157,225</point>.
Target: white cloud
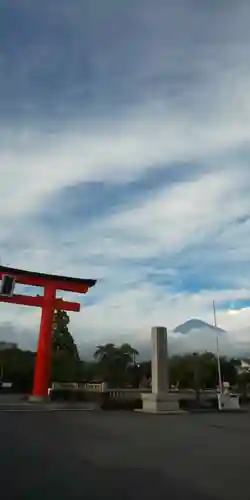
<point>201,341</point>
<point>185,213</point>
<point>206,122</point>
<point>125,302</point>
<point>132,312</point>
<point>35,164</point>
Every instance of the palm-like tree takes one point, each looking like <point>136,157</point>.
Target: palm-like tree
<point>128,350</point>
<point>104,353</point>
<point>106,356</point>
<point>114,360</point>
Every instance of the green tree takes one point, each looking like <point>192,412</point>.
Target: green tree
<point>106,356</point>
<point>201,370</point>
<point>66,364</point>
<point>17,366</point>
<point>229,370</point>
<point>129,353</point>
<point>114,362</point>
<point>62,340</point>
<point>181,371</point>
<point>208,370</point>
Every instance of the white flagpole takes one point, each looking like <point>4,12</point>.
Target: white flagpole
<point>217,351</point>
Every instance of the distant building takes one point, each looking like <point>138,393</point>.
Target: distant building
<point>7,345</point>
<point>244,367</point>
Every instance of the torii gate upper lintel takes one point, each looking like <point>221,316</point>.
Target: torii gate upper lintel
<point>48,302</point>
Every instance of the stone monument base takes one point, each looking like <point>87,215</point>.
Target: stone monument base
<point>160,403</point>
<point>228,401</point>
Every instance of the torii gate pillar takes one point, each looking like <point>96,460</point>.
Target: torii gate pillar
<point>44,350</point>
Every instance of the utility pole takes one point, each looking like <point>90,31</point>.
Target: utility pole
<point>217,352</point>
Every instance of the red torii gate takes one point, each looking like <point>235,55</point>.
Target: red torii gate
<point>48,302</point>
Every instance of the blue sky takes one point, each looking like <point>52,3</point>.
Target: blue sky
<point>124,156</point>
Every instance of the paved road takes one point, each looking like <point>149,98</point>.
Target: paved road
<point>90,455</point>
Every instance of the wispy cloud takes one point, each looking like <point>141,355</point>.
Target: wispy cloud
<point>126,158</point>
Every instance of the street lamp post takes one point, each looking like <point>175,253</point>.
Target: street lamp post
<point>218,355</point>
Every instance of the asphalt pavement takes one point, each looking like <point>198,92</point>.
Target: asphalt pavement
<point>124,455</point>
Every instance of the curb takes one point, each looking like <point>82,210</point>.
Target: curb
<point>31,408</point>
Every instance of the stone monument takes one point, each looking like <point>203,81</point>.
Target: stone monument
<point>160,400</point>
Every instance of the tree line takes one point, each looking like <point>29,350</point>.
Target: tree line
<point>116,365</point>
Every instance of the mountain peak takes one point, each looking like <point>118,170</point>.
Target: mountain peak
<point>195,324</point>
